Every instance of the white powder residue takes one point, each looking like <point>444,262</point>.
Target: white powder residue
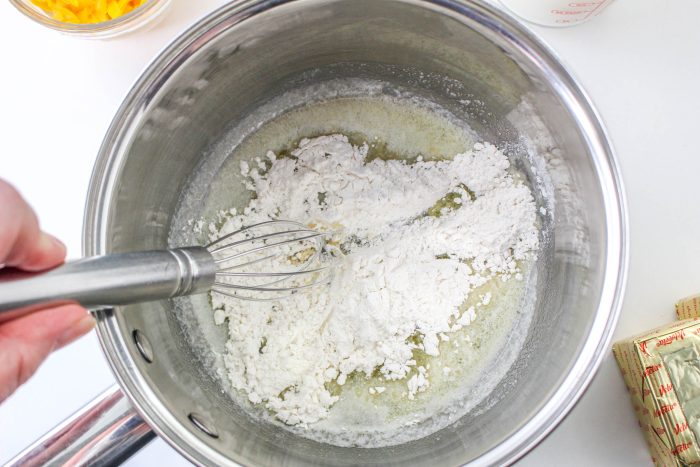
<point>419,237</point>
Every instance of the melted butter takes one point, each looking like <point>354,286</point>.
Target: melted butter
<point>373,120</point>
<point>393,129</point>
<point>377,419</point>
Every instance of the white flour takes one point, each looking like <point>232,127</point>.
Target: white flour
<point>401,287</point>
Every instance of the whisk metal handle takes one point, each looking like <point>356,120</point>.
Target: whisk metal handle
<point>117,279</point>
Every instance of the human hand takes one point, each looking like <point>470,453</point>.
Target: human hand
<point>25,342</point>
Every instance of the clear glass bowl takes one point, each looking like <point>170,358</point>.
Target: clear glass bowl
<point>135,19</point>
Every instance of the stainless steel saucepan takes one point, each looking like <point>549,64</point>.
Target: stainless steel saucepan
<point>472,60</point>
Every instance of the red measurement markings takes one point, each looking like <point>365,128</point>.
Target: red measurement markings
<point>569,12</point>
<point>643,348</point>
<point>587,9</point>
<point>680,427</point>
<point>664,409</point>
<point>680,448</point>
<point>665,388</point>
<point>676,336</point>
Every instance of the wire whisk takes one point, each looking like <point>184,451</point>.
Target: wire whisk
<point>266,261</point>
<point>271,260</point>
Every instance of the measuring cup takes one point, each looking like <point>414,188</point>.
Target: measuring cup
<point>557,13</point>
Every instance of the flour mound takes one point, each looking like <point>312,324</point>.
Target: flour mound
<point>418,236</point>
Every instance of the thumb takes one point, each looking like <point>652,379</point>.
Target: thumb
<point>44,253</point>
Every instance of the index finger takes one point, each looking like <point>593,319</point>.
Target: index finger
<point>22,244</point>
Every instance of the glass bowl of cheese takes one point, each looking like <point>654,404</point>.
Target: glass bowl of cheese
<point>92,18</point>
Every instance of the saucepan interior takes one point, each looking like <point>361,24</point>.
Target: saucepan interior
<point>251,61</point>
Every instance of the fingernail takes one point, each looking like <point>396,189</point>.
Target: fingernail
<point>81,327</point>
<point>48,241</point>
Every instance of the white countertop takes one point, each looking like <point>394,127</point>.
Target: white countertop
<point>639,61</point>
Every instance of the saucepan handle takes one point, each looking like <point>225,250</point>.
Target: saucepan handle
<point>105,432</point>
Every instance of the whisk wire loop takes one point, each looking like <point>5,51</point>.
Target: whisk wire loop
<point>275,259</point>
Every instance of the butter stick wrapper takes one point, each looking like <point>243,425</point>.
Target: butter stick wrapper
<point>661,369</point>
<point>688,308</point>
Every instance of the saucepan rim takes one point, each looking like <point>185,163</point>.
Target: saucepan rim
<point>112,154</point>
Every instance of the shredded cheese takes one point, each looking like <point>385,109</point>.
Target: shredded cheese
<point>87,11</point>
